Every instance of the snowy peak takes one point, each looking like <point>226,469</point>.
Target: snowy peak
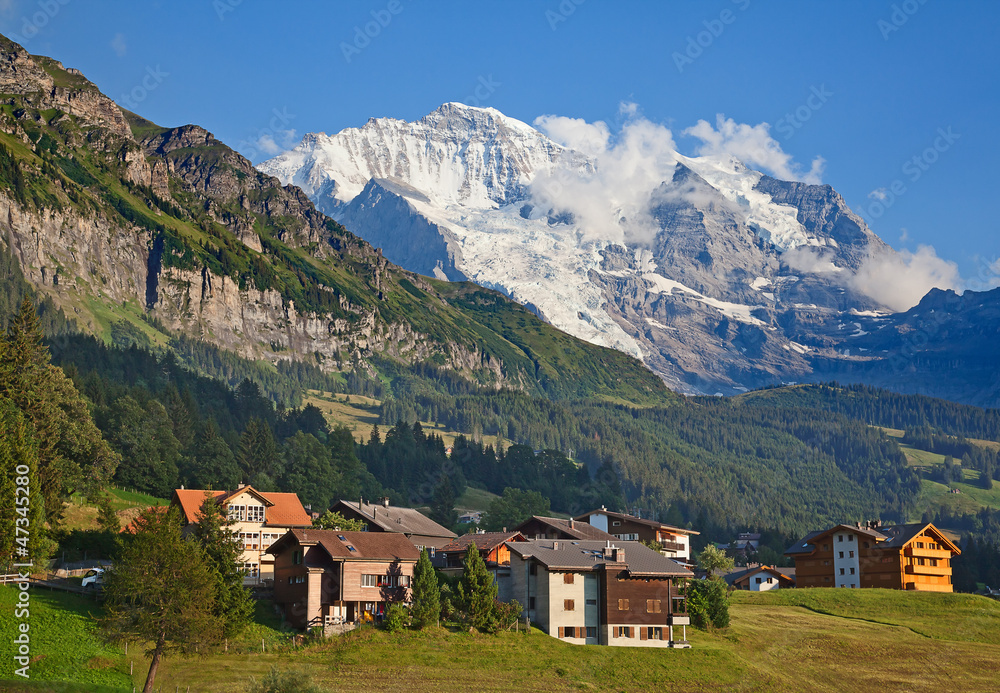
<point>456,155</point>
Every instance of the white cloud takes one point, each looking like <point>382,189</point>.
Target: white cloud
<point>878,194</point>
<point>900,280</point>
<point>609,197</point>
<point>754,146</point>
<point>119,46</point>
<point>273,143</point>
<point>810,260</point>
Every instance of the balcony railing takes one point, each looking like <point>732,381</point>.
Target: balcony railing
<point>927,570</point>
<point>672,546</point>
<point>913,551</point>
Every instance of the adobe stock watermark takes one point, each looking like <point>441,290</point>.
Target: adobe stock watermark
<point>364,34</point>
<point>700,42</point>
<point>900,15</point>
<point>151,81</point>
<point>22,532</point>
<point>270,140</point>
<point>485,88</point>
<point>913,169</point>
<point>224,7</point>
<point>563,11</point>
<point>790,122</point>
<point>36,21</point>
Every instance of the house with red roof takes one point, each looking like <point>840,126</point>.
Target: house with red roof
<point>261,518</point>
<point>450,558</point>
<point>333,579</point>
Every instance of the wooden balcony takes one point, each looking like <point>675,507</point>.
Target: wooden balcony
<point>672,546</point>
<point>914,552</point>
<point>927,570</point>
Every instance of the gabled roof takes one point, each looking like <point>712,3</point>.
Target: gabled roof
<point>563,554</point>
<point>395,519</point>
<point>748,573</point>
<point>632,518</point>
<point>579,530</point>
<point>484,541</point>
<point>350,546</point>
<point>283,509</point>
<point>886,537</point>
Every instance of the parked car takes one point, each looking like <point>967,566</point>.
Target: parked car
<point>93,579</point>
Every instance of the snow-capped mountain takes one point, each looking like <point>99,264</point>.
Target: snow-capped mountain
<point>734,279</point>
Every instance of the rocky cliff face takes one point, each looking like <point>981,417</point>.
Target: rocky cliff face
<point>113,217</point>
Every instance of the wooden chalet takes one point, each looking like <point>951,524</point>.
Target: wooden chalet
<point>450,558</point>
<point>594,592</point>
<point>336,579</point>
<point>902,557</point>
<point>761,578</point>
<point>675,542</point>
<point>540,527</point>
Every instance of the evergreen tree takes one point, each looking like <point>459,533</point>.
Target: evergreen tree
<point>308,472</point>
<point>258,452</point>
<point>19,469</point>
<point>107,518</point>
<point>161,590</point>
<point>214,465</point>
<point>477,592</point>
<point>443,504</point>
<point>223,549</point>
<point>426,609</point>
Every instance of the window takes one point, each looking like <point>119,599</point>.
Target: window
<point>297,557</point>
<point>250,569</point>
<point>652,606</point>
<point>887,559</point>
<point>850,554</point>
<point>592,632</point>
<point>532,569</point>
<point>531,603</point>
<point>567,578</point>
<point>237,512</point>
<point>296,579</point>
<point>654,633</point>
<point>770,581</point>
<point>758,581</point>
<point>840,537</point>
<point>920,544</point>
<point>852,571</point>
<point>920,561</point>
<point>623,604</point>
<point>841,554</point>
<point>826,547</point>
<point>850,537</point>
<point>616,523</point>
<point>255,513</point>
<point>627,537</point>
<point>826,562</point>
<point>932,561</point>
<point>591,602</point>
<point>867,545</point>
<point>621,632</point>
<point>569,605</point>
<point>369,580</point>
<point>841,571</point>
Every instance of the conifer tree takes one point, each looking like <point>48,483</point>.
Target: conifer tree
<point>426,608</point>
<point>477,592</point>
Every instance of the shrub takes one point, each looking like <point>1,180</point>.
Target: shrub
<point>291,681</point>
<point>397,617</point>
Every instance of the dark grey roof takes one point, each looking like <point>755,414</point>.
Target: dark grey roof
<point>803,545</point>
<point>633,518</point>
<point>898,535</point>
<point>395,519</point>
<point>736,575</point>
<point>589,555</point>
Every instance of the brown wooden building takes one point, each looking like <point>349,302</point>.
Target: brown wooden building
<point>539,527</point>
<point>329,578</point>
<point>596,593</point>
<point>492,547</point>
<point>902,557</point>
<point>675,542</point>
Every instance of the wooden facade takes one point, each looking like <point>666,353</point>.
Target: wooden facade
<point>675,542</point>
<point>905,557</point>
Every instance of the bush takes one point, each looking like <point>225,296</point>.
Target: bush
<point>291,681</point>
<point>397,617</point>
<point>708,603</point>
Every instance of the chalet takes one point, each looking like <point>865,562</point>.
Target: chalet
<point>383,517</point>
<point>674,541</point>
<point>903,557</point>
<point>761,578</point>
<point>538,527</point>
<point>334,579</point>
<point>260,520</point>
<point>450,558</point>
<point>597,593</point>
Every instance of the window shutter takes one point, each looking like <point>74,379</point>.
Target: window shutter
<point>642,633</point>
<point>562,632</point>
<point>630,631</point>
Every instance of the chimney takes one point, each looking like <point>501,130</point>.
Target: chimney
<point>555,546</point>
<point>571,523</point>
<point>385,501</point>
<point>619,555</point>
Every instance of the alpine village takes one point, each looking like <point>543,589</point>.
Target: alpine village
<point>250,443</point>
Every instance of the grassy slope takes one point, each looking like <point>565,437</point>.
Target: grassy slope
<point>817,640</point>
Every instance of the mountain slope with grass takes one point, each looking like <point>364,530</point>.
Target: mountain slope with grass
<point>121,221</point>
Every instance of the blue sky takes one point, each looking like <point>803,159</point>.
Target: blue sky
<point>866,86</point>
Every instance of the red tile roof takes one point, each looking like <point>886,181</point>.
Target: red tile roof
<point>283,509</point>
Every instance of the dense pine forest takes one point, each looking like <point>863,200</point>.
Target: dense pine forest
<point>784,461</point>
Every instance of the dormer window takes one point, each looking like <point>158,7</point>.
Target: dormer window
<point>255,513</point>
